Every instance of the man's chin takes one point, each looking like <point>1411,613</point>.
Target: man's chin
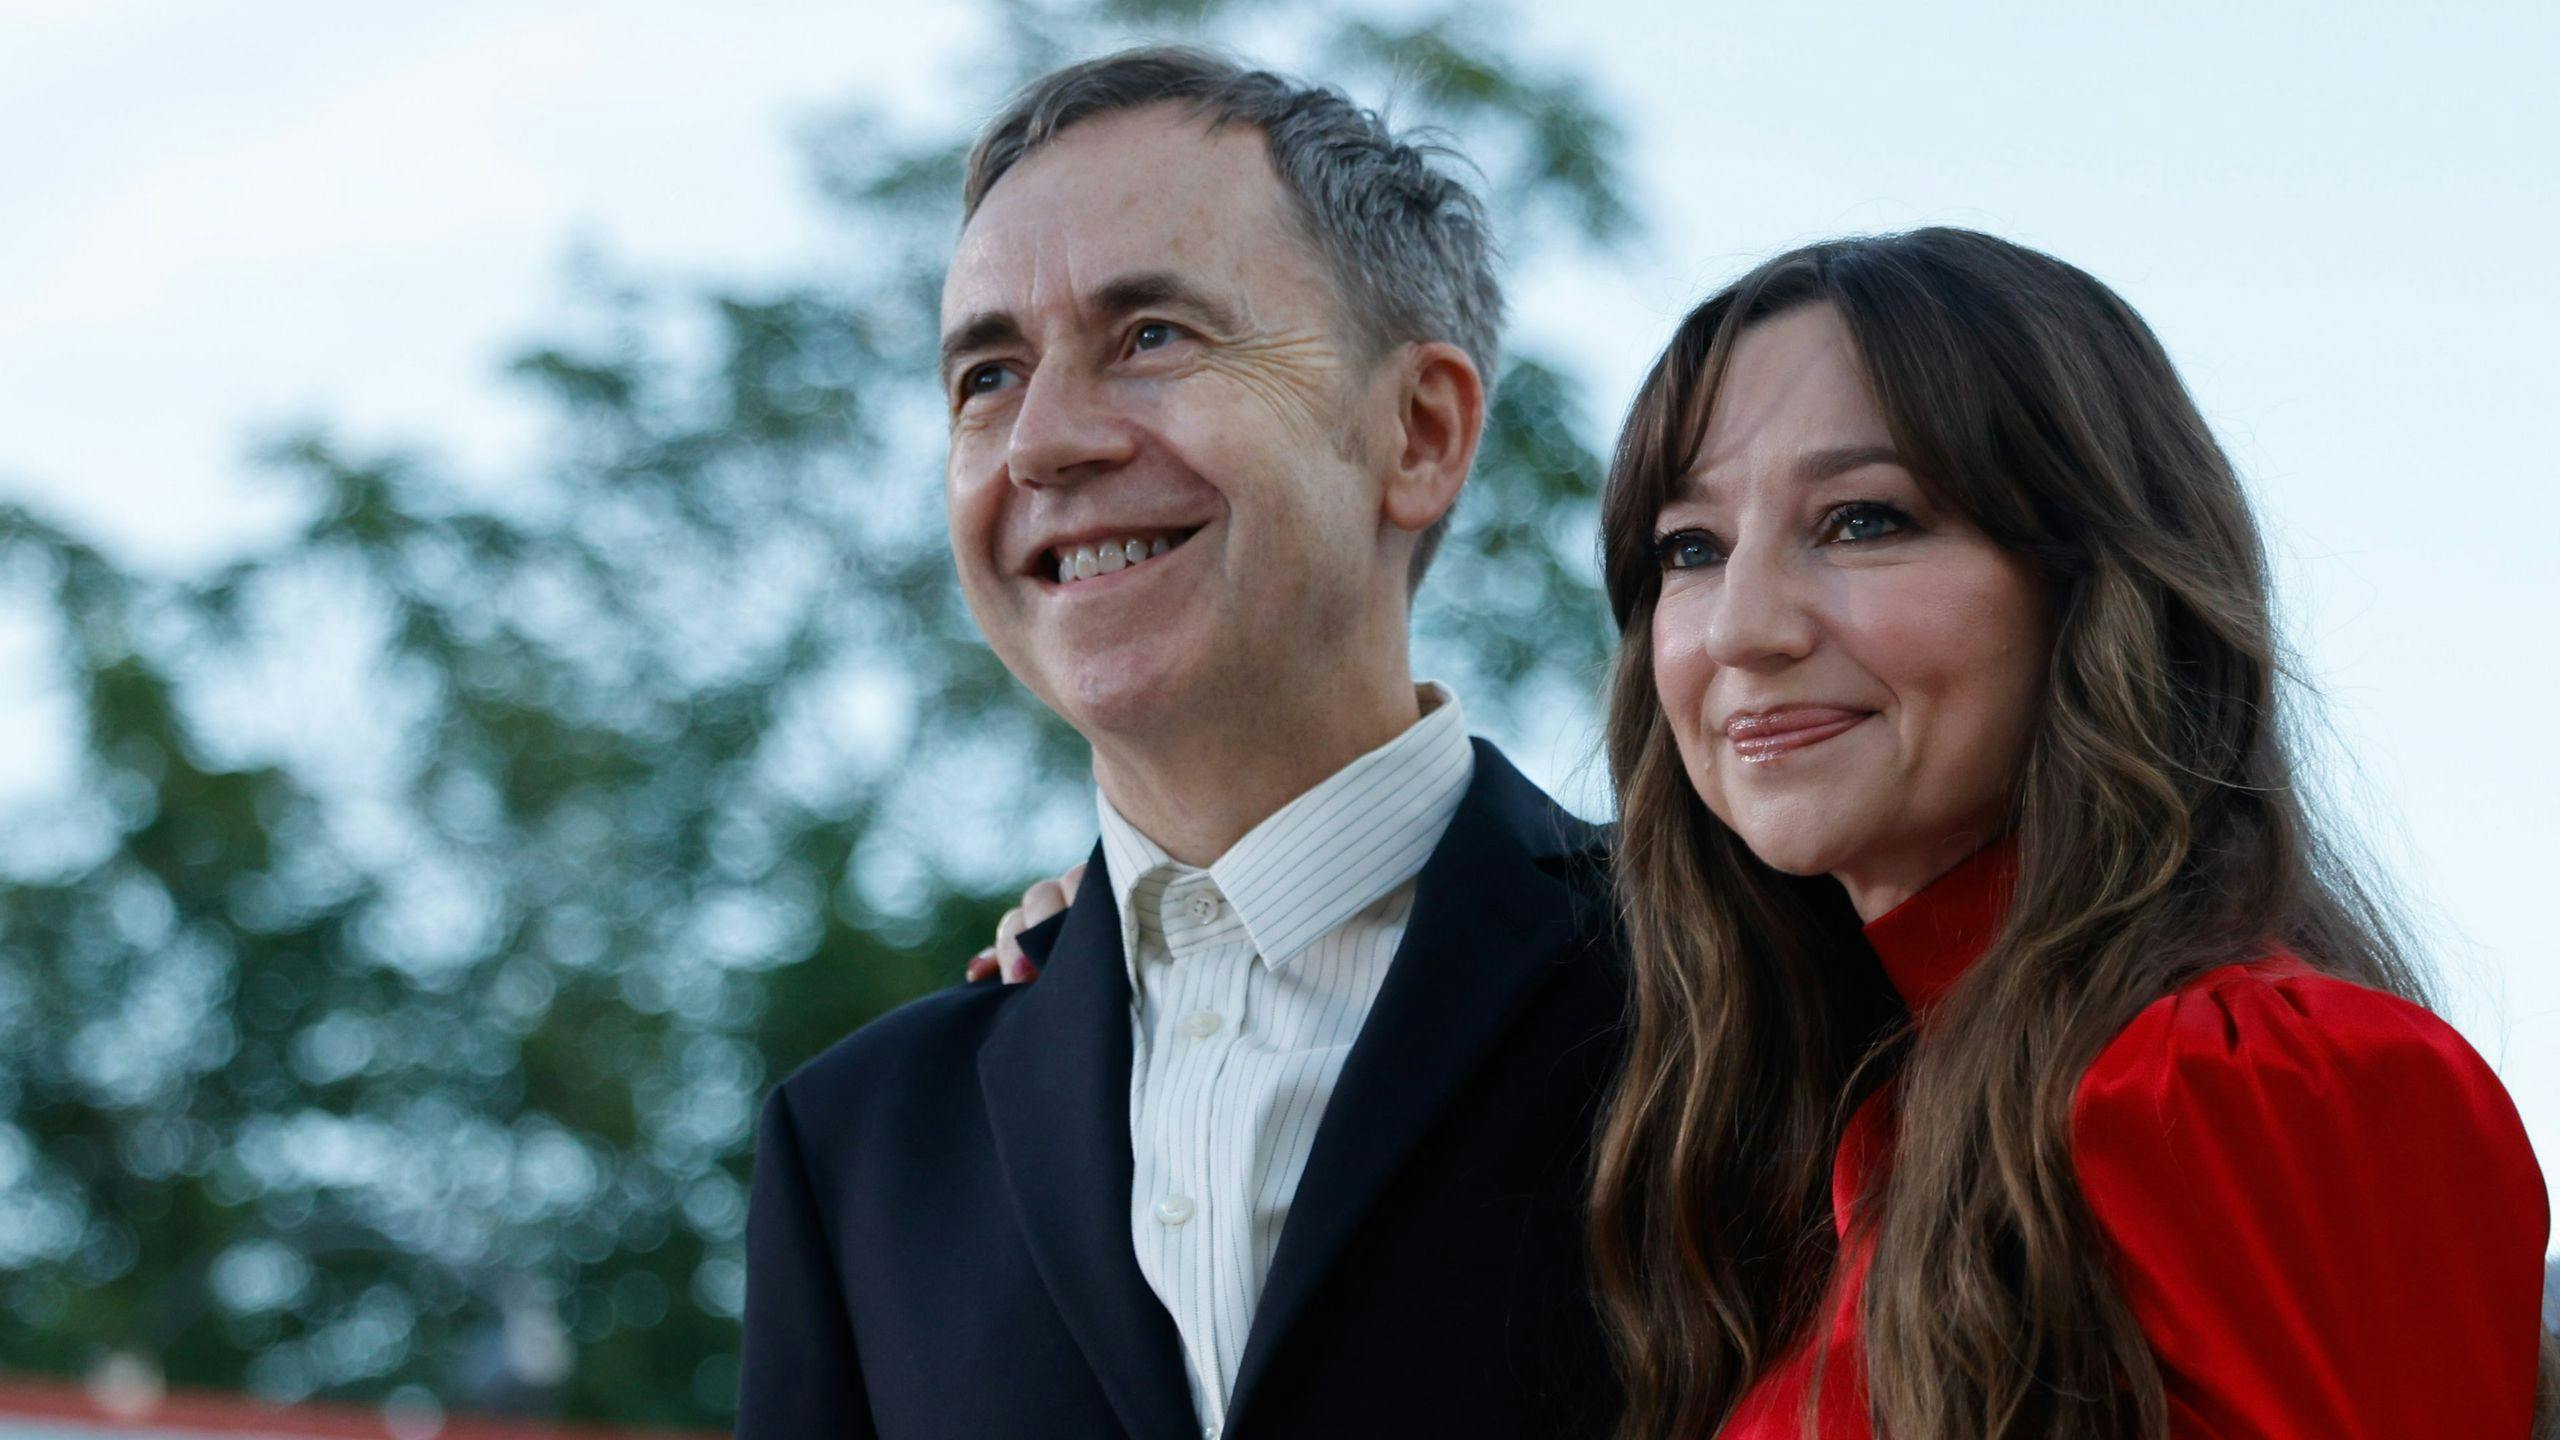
<point>1121,696</point>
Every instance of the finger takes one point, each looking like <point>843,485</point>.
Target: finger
<point>1007,949</point>
<point>1042,901</point>
<point>1019,970</point>
<point>982,965</point>
<point>1072,881</point>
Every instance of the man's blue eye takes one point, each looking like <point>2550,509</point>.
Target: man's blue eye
<point>1151,335</point>
<point>981,380</point>
<point>1684,550</point>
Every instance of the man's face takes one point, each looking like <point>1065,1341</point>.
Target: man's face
<point>1143,358</point>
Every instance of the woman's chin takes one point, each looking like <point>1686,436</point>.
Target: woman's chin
<point>1793,851</point>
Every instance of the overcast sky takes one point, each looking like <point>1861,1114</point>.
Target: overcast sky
<point>217,220</point>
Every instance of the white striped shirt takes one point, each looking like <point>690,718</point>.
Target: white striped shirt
<point>1248,981</point>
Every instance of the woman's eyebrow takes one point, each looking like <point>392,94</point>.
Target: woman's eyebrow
<point>1812,467</point>
<point>1841,459</point>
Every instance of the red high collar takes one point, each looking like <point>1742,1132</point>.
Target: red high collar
<point>1928,941</point>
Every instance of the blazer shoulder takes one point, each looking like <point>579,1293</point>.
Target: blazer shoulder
<point>1584,865</point>
<point>931,1041</point>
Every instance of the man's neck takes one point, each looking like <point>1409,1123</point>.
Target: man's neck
<point>1197,793</point>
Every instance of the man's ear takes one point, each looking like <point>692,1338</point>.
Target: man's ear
<point>1439,422</point>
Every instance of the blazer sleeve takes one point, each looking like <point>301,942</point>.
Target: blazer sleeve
<point>799,1375</point>
<point>2322,1208</point>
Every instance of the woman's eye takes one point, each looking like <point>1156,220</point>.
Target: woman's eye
<point>1685,550</point>
<point>1153,335</point>
<point>1866,521</point>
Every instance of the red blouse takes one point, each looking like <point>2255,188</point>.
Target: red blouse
<point>2321,1203</point>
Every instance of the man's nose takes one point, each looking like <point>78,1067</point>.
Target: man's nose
<point>1067,429</point>
<point>1763,615</point>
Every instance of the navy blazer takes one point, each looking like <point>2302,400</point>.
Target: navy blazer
<point>939,1238</point>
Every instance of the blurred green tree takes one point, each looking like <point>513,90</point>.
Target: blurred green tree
<point>447,881</point>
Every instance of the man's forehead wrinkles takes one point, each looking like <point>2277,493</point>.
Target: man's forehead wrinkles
<point>1019,282</point>
<point>1059,233</point>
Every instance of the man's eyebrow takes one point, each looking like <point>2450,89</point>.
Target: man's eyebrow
<point>1126,295</point>
<point>982,331</point>
<point>1162,289</point>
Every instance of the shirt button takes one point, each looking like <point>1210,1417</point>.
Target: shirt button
<point>1202,908</point>
<point>1173,1209</point>
<point>1202,1023</point>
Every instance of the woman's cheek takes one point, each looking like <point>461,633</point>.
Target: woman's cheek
<point>1681,672</point>
<point>1681,621</point>
<point>1918,628</point>
<point>1957,643</point>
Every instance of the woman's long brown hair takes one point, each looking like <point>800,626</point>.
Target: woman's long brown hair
<point>2160,831</point>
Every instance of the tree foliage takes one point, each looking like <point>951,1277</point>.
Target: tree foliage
<point>445,882</point>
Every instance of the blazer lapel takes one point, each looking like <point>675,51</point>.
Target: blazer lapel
<point>1487,919</point>
<point>1055,1070</point>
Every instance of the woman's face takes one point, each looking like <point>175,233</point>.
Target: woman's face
<point>1851,668</point>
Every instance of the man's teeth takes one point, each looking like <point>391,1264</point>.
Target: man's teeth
<point>1086,561</point>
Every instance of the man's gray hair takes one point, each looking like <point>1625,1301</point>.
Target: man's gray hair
<point>1408,246</point>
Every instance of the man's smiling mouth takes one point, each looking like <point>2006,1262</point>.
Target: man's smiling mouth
<point>1071,563</point>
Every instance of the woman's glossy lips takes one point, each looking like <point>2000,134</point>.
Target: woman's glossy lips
<point>1761,736</point>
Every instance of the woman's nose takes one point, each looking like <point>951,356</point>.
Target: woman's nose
<point>1762,615</point>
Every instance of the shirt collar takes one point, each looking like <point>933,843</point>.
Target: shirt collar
<point>1327,855</point>
<point>1930,940</point>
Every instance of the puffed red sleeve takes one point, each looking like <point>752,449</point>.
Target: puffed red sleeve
<point>2323,1209</point>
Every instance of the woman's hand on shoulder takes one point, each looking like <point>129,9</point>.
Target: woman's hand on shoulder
<point>1041,901</point>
